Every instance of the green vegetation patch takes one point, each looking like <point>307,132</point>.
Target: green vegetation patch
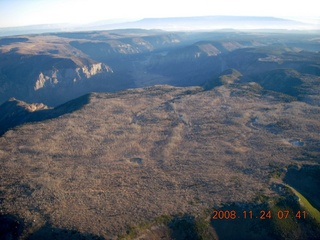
<point>314,213</point>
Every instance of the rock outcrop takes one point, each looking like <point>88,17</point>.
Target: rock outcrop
<point>56,77</point>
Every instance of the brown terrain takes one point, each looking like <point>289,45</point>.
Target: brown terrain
<point>128,158</point>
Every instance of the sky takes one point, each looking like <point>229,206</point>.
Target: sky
<point>33,12</point>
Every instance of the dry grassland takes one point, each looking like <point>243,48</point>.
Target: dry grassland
<point>127,158</point>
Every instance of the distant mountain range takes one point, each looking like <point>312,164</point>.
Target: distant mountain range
<point>171,24</point>
<point>211,22</point>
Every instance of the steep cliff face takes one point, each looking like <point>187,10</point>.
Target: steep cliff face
<point>55,68</point>
<point>58,77</point>
<point>50,79</point>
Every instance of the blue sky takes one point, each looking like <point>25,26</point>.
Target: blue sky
<point>29,12</point>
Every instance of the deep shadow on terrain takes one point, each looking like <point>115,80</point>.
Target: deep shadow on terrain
<point>48,232</point>
<point>306,180</point>
<point>16,113</point>
<point>7,41</point>
<point>11,228</point>
<point>183,228</point>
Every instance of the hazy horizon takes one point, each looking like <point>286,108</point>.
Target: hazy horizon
<point>19,13</point>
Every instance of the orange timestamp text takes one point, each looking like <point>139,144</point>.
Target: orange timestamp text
<point>263,214</point>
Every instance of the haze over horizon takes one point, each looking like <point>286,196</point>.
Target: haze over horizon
<point>15,13</point>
